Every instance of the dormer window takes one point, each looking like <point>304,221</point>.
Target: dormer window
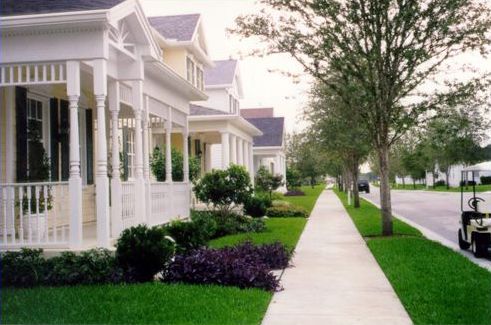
<point>199,77</point>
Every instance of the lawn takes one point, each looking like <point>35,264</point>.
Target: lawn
<point>156,303</point>
<point>435,284</point>
<point>151,303</point>
<point>285,230</point>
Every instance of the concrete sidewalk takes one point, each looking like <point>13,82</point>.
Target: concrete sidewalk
<point>335,279</point>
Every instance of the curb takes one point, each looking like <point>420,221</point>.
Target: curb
<point>431,235</point>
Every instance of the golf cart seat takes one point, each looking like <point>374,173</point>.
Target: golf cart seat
<point>467,216</point>
<point>485,222</point>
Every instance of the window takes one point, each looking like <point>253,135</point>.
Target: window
<point>199,77</point>
<point>35,137</point>
<point>190,71</point>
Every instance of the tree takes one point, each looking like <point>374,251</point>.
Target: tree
<point>391,49</point>
<point>267,182</point>
<point>306,156</point>
<point>293,179</point>
<point>338,127</point>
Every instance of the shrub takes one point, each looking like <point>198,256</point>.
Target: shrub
<point>440,183</point>
<point>187,234</point>
<point>206,221</point>
<point>143,252</point>
<point>25,268</point>
<point>467,183</point>
<point>243,266</point>
<point>485,180</point>
<point>256,206</point>
<point>94,266</point>
<point>223,188</point>
<point>280,203</point>
<point>252,225</point>
<point>295,193</point>
<point>157,164</point>
<point>287,212</point>
<point>275,256</point>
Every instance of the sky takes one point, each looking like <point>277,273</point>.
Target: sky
<point>264,85</point>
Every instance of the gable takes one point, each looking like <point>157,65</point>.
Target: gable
<point>35,7</point>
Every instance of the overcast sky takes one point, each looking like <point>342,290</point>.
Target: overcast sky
<point>263,87</point>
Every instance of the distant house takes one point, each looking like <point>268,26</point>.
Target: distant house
<point>269,148</point>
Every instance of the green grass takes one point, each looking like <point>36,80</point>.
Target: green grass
<point>367,219</point>
<point>422,187</point>
<point>435,284</point>
<point>285,230</point>
<point>307,201</point>
<point>153,303</point>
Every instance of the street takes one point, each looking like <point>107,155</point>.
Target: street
<point>437,211</point>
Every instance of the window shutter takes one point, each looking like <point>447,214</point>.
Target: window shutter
<point>65,140</point>
<point>89,145</point>
<point>21,127</point>
<point>125,153</point>
<point>54,139</point>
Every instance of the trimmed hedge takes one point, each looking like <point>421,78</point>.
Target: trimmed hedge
<point>485,180</point>
<point>286,212</point>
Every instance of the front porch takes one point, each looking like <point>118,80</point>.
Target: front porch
<point>93,193</point>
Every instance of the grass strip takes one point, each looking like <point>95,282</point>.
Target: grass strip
<point>435,284</point>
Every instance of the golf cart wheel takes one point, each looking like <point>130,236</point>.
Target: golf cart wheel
<point>480,245</point>
<point>462,243</point>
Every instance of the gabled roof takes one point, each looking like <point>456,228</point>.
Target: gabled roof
<point>179,27</point>
<point>257,112</point>
<point>201,110</point>
<point>272,129</point>
<point>222,74</point>
<point>34,7</point>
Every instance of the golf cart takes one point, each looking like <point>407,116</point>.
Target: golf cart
<point>475,224</point>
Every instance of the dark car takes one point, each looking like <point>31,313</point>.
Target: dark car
<point>363,186</point>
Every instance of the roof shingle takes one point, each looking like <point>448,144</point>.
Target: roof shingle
<point>179,27</point>
<point>222,74</point>
<point>201,110</point>
<point>272,129</point>
<point>34,7</point>
<point>257,112</point>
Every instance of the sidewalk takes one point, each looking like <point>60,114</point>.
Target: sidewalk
<point>335,279</point>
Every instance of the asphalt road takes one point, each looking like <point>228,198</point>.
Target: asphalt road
<point>436,211</point>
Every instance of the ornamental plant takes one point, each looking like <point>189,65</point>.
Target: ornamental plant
<point>224,189</point>
<point>266,181</point>
<point>157,164</point>
<point>142,252</point>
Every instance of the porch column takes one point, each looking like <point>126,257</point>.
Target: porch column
<point>146,150</point>
<point>168,147</point>
<point>116,187</point>
<point>102,181</point>
<point>233,149</point>
<point>74,180</point>
<point>244,154</point>
<point>240,150</point>
<point>185,154</point>
<point>137,93</point>
<point>208,157</point>
<point>251,162</point>
<point>225,150</point>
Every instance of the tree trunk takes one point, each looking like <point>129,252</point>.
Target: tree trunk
<point>385,201</point>
<point>403,182</point>
<point>447,178</point>
<point>356,194</point>
<point>414,183</point>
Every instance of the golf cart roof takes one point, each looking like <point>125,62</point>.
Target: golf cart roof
<point>481,167</point>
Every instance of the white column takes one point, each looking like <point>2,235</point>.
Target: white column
<point>101,179</point>
<point>208,157</point>
<point>244,154</point>
<point>225,150</point>
<point>116,188</point>
<point>140,193</point>
<point>168,147</point>
<point>233,149</point>
<point>240,152</point>
<point>146,149</point>
<point>185,154</point>
<point>74,181</point>
<point>251,162</point>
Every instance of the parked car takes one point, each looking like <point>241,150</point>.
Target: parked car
<point>363,186</point>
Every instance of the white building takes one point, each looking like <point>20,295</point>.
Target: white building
<point>93,79</point>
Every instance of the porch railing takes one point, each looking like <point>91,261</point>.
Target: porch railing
<point>34,215</point>
<point>168,201</point>
<point>128,204</point>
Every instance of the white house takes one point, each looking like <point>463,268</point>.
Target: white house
<point>217,127</point>
<point>93,80</point>
<point>269,148</point>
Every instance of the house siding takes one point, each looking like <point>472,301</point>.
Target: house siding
<point>176,59</point>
